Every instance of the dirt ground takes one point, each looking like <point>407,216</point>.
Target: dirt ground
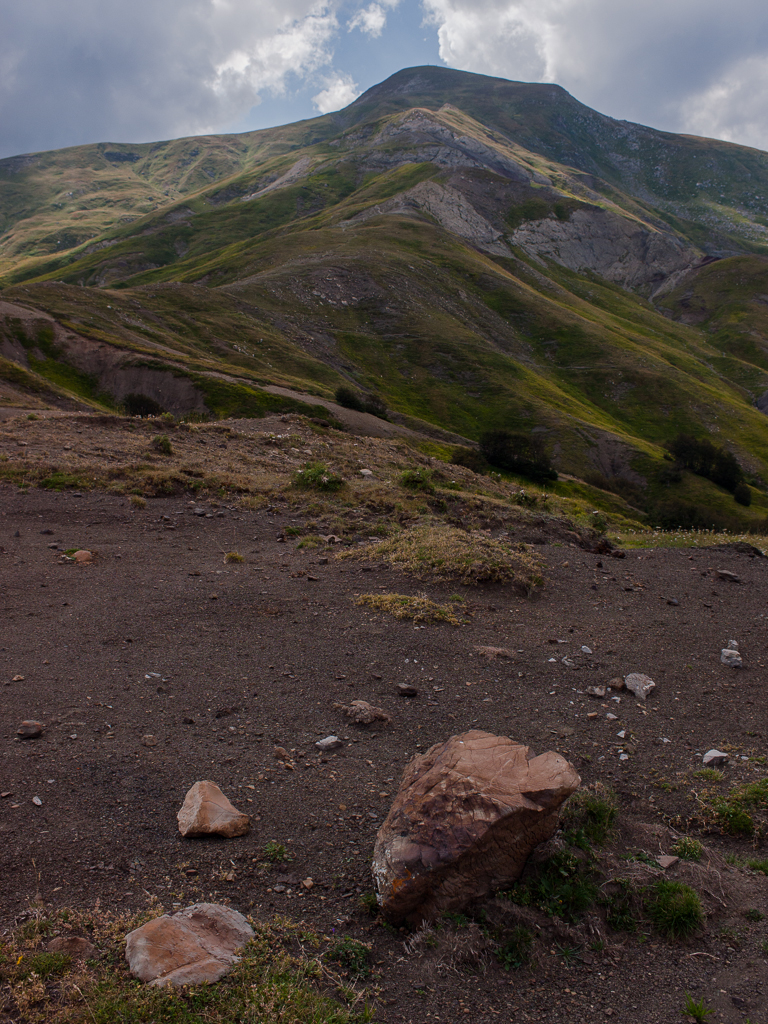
<point>161,664</point>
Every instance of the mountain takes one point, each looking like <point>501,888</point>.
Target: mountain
<point>472,252</point>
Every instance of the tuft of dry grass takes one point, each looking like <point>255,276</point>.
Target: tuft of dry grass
<point>137,501</point>
<point>440,551</point>
<point>403,606</point>
<point>234,556</point>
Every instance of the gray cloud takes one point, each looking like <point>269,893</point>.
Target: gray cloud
<point>74,71</point>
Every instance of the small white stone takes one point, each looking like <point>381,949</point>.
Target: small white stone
<point>37,801</point>
<point>714,758</point>
<point>622,734</point>
<point>586,650</point>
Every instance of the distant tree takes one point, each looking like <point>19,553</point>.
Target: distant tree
<point>742,494</point>
<point>702,457</point>
<point>348,398</point>
<point>524,454</point>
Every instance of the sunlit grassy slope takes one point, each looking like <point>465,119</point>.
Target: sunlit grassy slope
<point>377,247</point>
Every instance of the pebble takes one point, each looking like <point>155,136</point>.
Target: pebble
<point>149,740</point>
<point>615,684</point>
<point>366,473</point>
<point>623,757</point>
<point>724,574</point>
<point>667,861</point>
<point>714,758</point>
<point>730,656</point>
<point>673,602</point>
<point>610,717</point>
<point>30,729</point>
<point>308,883</point>
<point>83,557</point>
<point>37,801</point>
<point>407,690</point>
<point>329,743</point>
<point>596,691</point>
<point>586,650</point>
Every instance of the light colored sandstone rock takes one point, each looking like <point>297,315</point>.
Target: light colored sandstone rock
<point>363,713</point>
<point>639,684</point>
<point>206,811</point>
<point>329,743</point>
<point>468,814</point>
<point>198,944</point>
<point>83,557</point>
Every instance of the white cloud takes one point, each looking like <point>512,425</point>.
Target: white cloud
<point>370,19</point>
<point>339,92</point>
<point>683,65</point>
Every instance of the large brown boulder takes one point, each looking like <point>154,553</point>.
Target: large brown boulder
<point>206,811</point>
<point>468,814</point>
<point>199,944</point>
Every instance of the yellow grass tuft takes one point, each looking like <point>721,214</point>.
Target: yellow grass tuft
<point>402,606</point>
<point>444,552</point>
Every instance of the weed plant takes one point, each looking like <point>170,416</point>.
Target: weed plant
<point>402,606</point>
<point>352,956</point>
<point>562,887</point>
<point>590,815</point>
<point>275,852</point>
<point>697,1009</point>
<point>688,849</point>
<point>417,480</point>
<point>162,443</point>
<point>735,813</point>
<point>317,476</point>
<point>514,951</point>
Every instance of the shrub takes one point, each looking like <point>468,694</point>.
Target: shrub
<point>141,405</point>
<point>742,494</point>
<point>417,480</point>
<point>353,956</point>
<point>137,501</point>
<point>275,852</point>
<point>517,453</point>
<point>316,475</point>
<point>591,814</point>
<point>470,458</point>
<point>234,556</point>
<point>562,887</point>
<point>162,443</point>
<point>705,459</point>
<point>348,398</point>
<point>675,909</point>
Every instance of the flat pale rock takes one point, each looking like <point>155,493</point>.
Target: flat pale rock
<point>638,684</point>
<point>468,814</point>
<point>667,861</point>
<point>83,557</point>
<point>206,811</point>
<point>714,758</point>
<point>329,743</point>
<point>363,713</point>
<point>198,944</point>
<point>596,691</point>
<point>73,945</point>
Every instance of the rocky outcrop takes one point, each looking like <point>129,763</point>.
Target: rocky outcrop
<point>206,811</point>
<point>628,252</point>
<point>467,816</point>
<point>450,209</point>
<point>196,945</point>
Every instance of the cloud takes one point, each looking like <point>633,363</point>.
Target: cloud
<point>76,71</point>
<point>371,19</point>
<point>337,94</point>
<point>683,65</point>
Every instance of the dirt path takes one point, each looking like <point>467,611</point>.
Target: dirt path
<point>219,663</point>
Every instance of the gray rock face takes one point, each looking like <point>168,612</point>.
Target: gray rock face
<point>198,944</point>
<point>730,656</point>
<point>616,247</point>
<point>714,758</point>
<point>468,814</point>
<point>329,743</point>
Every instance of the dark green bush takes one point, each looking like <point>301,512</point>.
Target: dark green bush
<point>706,459</point>
<point>470,458</point>
<point>675,909</point>
<point>348,398</point>
<point>353,956</point>
<point>524,454</point>
<point>417,480</point>
<point>742,494</point>
<point>318,476</point>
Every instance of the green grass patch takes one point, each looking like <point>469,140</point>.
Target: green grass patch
<point>675,909</point>
<point>403,606</point>
<point>316,476</point>
<point>589,815</point>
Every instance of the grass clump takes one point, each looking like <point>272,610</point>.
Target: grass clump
<point>403,606</point>
<point>688,848</point>
<point>709,774</point>
<point>317,476</point>
<point>589,815</point>
<point>433,549</point>
<point>760,865</point>
<point>234,556</point>
<point>162,443</point>
<point>735,813</point>
<point>137,501</point>
<point>417,480</point>
<point>352,956</point>
<point>697,1009</point>
<point>675,909</point>
<point>562,886</point>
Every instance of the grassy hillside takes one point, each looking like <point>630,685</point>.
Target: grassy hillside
<point>470,251</point>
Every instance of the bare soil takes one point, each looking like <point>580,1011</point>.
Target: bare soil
<point>218,663</point>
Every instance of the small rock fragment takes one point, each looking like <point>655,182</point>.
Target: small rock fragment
<point>308,883</point>
<point>83,557</point>
<point>667,861</point>
<point>407,690</point>
<point>17,679</point>
<point>673,602</point>
<point>615,684</point>
<point>731,657</point>
<point>196,945</point>
<point>724,574</point>
<point>363,713</point>
<point>591,714</point>
<point>149,740</point>
<point>329,743</point>
<point>586,650</point>
<point>639,684</point>
<point>73,945</point>
<point>206,811</point>
<point>37,801</point>
<point>282,754</point>
<point>30,729</point>
<point>714,758</point>
<point>596,691</point>
<point>366,473</point>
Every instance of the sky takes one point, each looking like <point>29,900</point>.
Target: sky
<point>77,71</point>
